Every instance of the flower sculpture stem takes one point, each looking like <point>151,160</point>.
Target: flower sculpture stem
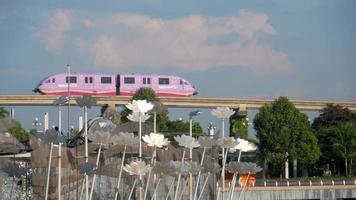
<point>243,188</point>
<point>86,151</point>
<point>183,189</point>
<point>155,190</point>
<point>199,174</point>
<point>132,189</point>
<point>120,173</point>
<point>140,136</point>
<point>223,172</point>
<point>149,173</point>
<point>205,182</point>
<point>170,188</point>
<point>232,186</point>
<point>179,177</point>
<point>94,176</point>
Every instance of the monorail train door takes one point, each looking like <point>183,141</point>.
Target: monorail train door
<point>117,84</point>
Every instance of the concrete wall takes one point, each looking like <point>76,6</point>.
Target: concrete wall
<point>325,193</point>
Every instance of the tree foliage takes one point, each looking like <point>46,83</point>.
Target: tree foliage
<point>330,127</point>
<point>17,130</point>
<point>344,144</point>
<point>282,128</point>
<point>333,115</point>
<point>3,112</point>
<point>180,126</point>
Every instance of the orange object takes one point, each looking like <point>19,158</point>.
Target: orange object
<point>251,179</point>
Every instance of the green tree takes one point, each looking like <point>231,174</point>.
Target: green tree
<point>180,126</point>
<point>17,130</point>
<point>327,128</point>
<point>3,112</point>
<point>283,130</point>
<point>333,115</point>
<point>19,133</point>
<point>344,144</point>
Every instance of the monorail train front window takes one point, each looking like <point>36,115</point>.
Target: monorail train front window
<point>48,81</point>
<point>163,81</point>
<point>129,80</point>
<point>73,79</point>
<point>106,80</point>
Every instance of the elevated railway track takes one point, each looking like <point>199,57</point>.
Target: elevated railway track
<point>182,102</point>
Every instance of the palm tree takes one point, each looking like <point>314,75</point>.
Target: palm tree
<point>345,144</point>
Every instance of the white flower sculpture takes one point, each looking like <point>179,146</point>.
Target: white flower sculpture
<point>155,140</point>
<point>222,112</point>
<point>206,142</point>
<point>138,168</point>
<point>187,141</point>
<point>125,138</point>
<point>135,117</point>
<point>243,146</point>
<point>227,142</point>
<point>141,106</point>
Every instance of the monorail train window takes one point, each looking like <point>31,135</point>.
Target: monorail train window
<point>106,80</point>
<point>48,81</point>
<point>180,82</point>
<point>148,80</point>
<point>73,79</point>
<point>53,80</point>
<point>129,80</point>
<point>88,79</point>
<point>163,81</point>
<point>144,80</point>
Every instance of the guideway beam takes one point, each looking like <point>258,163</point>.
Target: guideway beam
<point>183,102</point>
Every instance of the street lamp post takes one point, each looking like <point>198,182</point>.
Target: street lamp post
<point>36,123</point>
<point>68,81</point>
<point>191,115</point>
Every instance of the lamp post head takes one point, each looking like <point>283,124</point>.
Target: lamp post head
<point>194,113</point>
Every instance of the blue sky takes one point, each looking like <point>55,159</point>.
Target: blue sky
<point>248,49</point>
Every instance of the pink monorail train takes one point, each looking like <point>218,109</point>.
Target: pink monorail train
<point>114,84</point>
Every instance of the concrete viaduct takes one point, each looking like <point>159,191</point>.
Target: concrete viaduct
<point>182,102</point>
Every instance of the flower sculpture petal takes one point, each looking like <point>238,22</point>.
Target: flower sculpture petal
<point>187,141</point>
<point>141,106</point>
<point>183,168</point>
<point>135,117</point>
<point>243,167</point>
<point>227,142</point>
<point>155,140</point>
<point>243,146</point>
<point>162,168</point>
<point>125,138</point>
<point>222,112</point>
<point>211,167</point>
<point>138,168</point>
<point>206,142</point>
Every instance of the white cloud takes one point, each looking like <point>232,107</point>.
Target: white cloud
<point>53,33</point>
<point>124,40</point>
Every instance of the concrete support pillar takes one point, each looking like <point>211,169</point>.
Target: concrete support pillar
<point>60,118</point>
<point>12,113</point>
<point>80,123</point>
<point>295,168</point>
<point>46,122</point>
<point>242,108</point>
<point>286,169</point>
